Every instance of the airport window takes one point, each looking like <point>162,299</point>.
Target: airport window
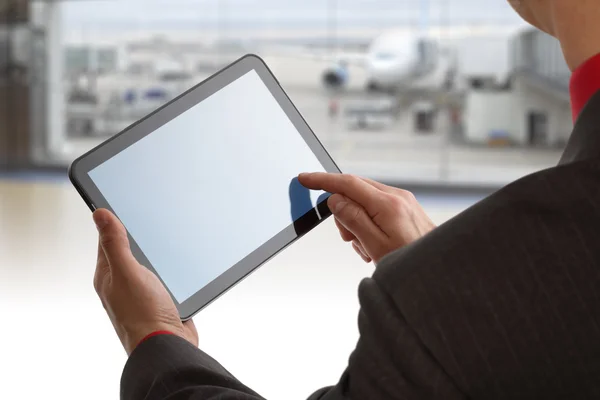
<point>449,99</point>
<point>98,70</point>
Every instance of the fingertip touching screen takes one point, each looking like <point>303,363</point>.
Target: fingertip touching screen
<point>209,187</point>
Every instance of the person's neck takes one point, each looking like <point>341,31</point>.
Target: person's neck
<point>577,27</point>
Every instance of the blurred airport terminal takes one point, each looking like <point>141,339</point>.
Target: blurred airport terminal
<point>449,97</point>
<point>436,92</point>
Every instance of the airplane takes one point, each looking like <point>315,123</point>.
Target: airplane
<point>397,60</point>
<point>400,60</point>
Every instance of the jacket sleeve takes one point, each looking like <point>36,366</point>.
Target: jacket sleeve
<point>390,361</point>
<point>167,367</point>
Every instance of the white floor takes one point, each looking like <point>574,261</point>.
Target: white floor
<point>297,313</point>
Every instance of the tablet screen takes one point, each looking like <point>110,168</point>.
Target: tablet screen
<point>209,187</point>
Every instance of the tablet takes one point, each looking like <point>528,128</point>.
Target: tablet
<point>206,186</point>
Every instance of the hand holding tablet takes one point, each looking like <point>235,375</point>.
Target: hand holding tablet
<point>182,182</point>
<point>135,300</point>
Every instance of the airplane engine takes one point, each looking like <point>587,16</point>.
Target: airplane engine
<point>335,77</point>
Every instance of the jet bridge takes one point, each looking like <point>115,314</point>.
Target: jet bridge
<point>537,60</point>
<point>532,107</point>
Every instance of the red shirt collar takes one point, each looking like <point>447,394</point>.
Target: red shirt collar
<point>585,82</point>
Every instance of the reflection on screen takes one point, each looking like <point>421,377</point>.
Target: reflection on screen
<point>301,200</point>
<point>209,187</point>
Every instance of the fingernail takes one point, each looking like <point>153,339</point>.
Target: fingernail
<point>338,204</point>
<point>304,175</point>
<point>100,221</point>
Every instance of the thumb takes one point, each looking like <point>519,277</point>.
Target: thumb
<point>356,220</point>
<point>113,240</point>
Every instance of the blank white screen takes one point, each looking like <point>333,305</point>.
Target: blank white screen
<point>209,187</point>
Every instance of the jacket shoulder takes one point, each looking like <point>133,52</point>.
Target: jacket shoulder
<point>484,290</point>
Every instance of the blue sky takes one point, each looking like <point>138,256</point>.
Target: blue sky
<point>170,14</point>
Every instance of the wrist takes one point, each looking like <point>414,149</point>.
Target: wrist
<point>155,333</point>
<point>134,337</point>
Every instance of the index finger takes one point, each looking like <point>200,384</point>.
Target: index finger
<point>368,196</point>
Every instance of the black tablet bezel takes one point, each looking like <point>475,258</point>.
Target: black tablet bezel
<point>80,168</point>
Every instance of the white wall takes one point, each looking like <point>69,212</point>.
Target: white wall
<point>488,111</point>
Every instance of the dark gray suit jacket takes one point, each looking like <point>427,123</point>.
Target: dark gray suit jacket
<point>501,302</point>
